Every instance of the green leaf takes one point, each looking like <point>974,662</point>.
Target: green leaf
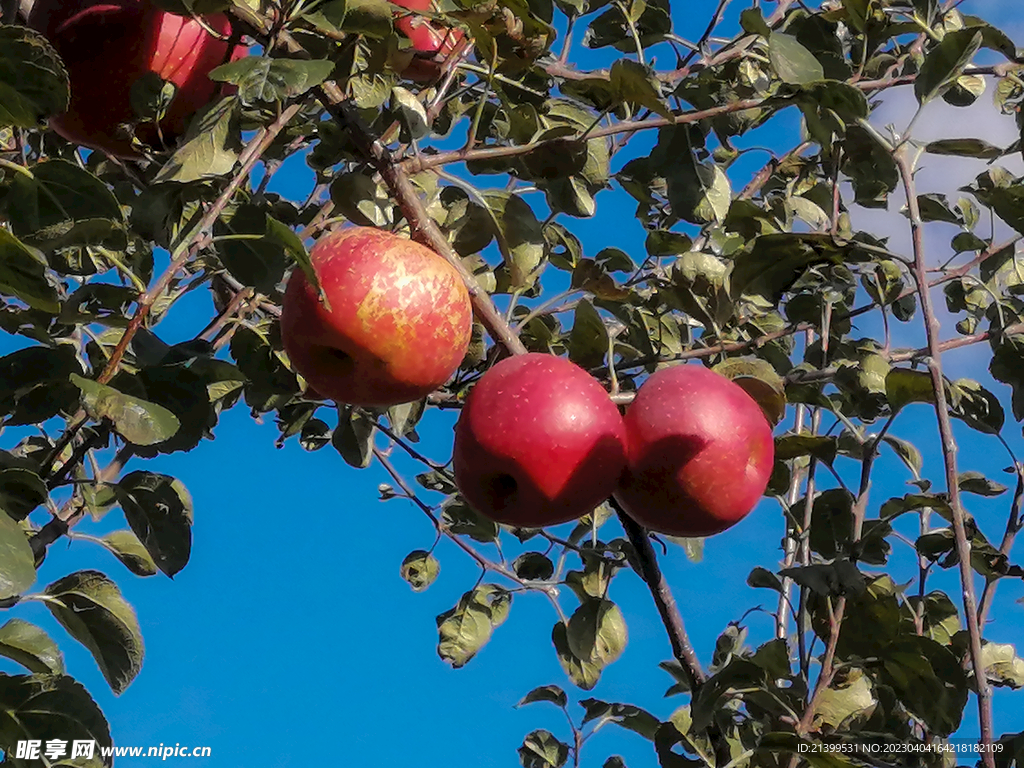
<point>33,81</point>
<point>977,148</point>
<point>150,96</point>
<point>773,658</point>
<point>775,261</point>
<point>523,236</point>
<point>410,112</point>
<point>928,679</point>
<point>588,340</point>
<point>831,522</point>
<point>367,17</point>
<point>361,200</point>
<point>405,416</point>
<point>583,674</point>
<point>627,716</point>
<point>904,386</point>
<point>597,632</point>
<point>542,750</point>
<point>1002,665</point>
<point>181,389</point>
<point>127,548</point>
<point>207,150</point>
<point>21,491</point>
<point>611,27</point>
<point>463,520</point>
<point>34,383</point>
<point>252,257</point>
<point>420,569</point>
<point>692,547</point>
<point>821,447</point>
<point>753,23</point>
<point>436,480</point>
<point>738,673</point>
<point>759,379</point>
<point>22,275</point>
<point>467,627</point>
<point>835,578</point>
<point>261,78</point>
<point>353,437</point>
<point>533,566</point>
<point>560,155</point>
<point>634,83</point>
<point>849,698</point>
<point>283,236</point>
<point>47,707</point>
<point>17,563</point>
<point>977,407</point>
<point>977,483</point>
<point>661,242</point>
<point>762,578</point>
<point>159,510</point>
<point>945,62</point>
<point>934,207</point>
<point>31,647</point>
<point>940,619</point>
<point>91,608</point>
<point>907,451</point>
<point>551,693</point>
<point>793,63</point>
<point>137,421</point>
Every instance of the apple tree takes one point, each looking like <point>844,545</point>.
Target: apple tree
<point>489,133</point>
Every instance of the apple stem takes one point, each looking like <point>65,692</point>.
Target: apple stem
<point>651,573</point>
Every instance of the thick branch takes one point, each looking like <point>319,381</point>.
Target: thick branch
<point>663,599</point>
<point>949,449</point>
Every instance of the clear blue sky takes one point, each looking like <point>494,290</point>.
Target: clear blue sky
<point>290,638</point>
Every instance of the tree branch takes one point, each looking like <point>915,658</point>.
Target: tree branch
<point>1013,527</point>
<point>651,573</point>
<point>186,252</point>
<point>949,451</point>
<point>424,228</point>
<point>200,238</point>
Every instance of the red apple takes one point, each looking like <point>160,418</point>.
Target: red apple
<point>432,43</point>
<point>397,326</point>
<point>538,443</point>
<point>700,453</point>
<point>107,46</point>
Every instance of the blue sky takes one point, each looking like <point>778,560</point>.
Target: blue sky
<point>290,637</point>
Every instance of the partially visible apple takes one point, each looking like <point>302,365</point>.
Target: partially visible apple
<point>431,42</point>
<point>107,46</point>
<point>700,453</point>
<point>398,323</point>
<point>539,442</point>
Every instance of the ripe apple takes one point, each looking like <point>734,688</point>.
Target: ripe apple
<point>107,46</point>
<point>700,453</point>
<point>431,42</point>
<point>539,442</point>
<point>397,326</point>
